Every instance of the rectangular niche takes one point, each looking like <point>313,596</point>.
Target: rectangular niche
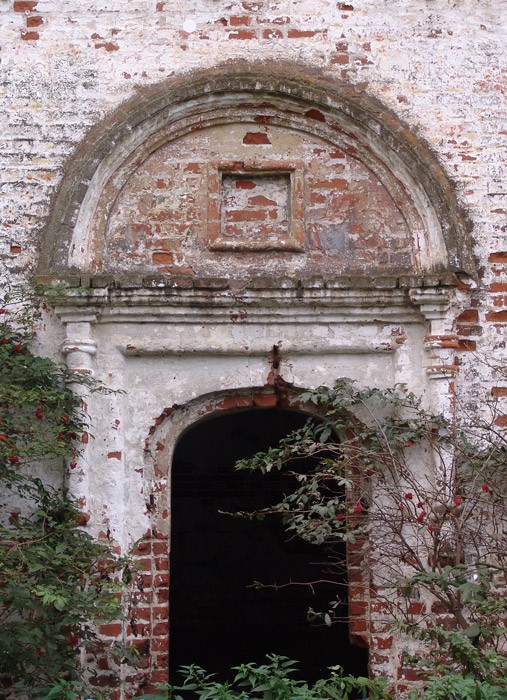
<point>255,208</point>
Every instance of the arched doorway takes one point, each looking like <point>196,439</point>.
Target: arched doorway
<point>217,619</point>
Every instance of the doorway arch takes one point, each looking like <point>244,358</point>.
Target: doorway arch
<point>217,619</point>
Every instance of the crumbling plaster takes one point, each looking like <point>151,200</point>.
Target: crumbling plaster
<point>93,90</point>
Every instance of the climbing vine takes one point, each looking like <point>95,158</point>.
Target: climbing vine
<point>56,581</point>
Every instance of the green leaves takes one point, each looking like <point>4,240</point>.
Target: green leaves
<point>55,580</point>
<point>271,681</point>
<point>425,498</point>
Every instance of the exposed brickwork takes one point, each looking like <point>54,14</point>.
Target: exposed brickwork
<point>350,220</point>
<point>438,66</point>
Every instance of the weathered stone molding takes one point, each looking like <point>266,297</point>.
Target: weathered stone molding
<point>327,109</point>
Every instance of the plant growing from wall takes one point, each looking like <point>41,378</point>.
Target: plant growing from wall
<point>424,499</point>
<point>55,580</point>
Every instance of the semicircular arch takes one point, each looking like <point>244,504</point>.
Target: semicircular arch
<point>380,154</point>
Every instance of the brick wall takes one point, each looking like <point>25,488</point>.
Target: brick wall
<point>439,66</point>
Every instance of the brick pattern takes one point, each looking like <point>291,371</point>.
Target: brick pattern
<point>322,211</point>
<point>148,627</point>
<point>440,67</point>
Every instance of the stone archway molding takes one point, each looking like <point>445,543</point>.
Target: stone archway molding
<point>308,101</point>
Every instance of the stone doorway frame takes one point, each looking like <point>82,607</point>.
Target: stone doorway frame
<point>283,323</point>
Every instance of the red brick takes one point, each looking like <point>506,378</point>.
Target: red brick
<point>301,33</point>
<point>501,421</point>
<point>246,215</point>
<point>467,346</point>
<point>242,34</point>
<point>160,547</point>
<point>497,316</point>
<point>468,316</point>
<point>111,629</point>
<point>261,200</point>
<point>139,613</point>
<point>162,563</point>
<point>271,34</point>
<point>162,258</point>
<point>143,547</point>
<point>161,580</point>
<point>159,644</point>
<point>159,676</point>
<point>25,5</point>
<point>34,21</point>
<point>382,643</point>
<point>143,564</point>
<point>114,455</point>
<point>162,595</point>
<point>242,21</point>
<point>245,185</point>
<point>29,36</point>
<point>264,400</point>
<point>162,660</point>
<point>333,184</point>
<point>499,257</point>
<point>340,59</point>
<point>256,138</point>
<point>499,391</point>
<point>160,629</point>
<point>468,330</point>
<point>357,608</point>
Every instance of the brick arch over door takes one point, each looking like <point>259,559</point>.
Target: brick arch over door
<point>387,205</point>
<point>149,627</point>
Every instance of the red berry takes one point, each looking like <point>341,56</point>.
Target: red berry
<point>39,414</point>
<point>409,496</point>
<point>430,528</point>
<point>73,640</point>
<point>13,459</point>
<point>359,508</point>
<point>60,436</point>
<point>485,488</point>
<point>340,516</point>
<point>3,311</point>
<point>18,347</point>
<point>72,465</point>
<point>420,504</point>
<point>3,437</point>
<point>65,419</point>
<point>457,501</point>
<point>5,341</point>
<point>409,443</point>
<point>401,506</point>
<point>421,517</point>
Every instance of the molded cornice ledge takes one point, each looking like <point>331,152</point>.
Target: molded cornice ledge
<point>168,298</point>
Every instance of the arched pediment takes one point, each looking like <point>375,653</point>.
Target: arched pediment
<point>247,172</point>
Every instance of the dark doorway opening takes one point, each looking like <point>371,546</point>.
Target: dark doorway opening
<point>217,619</point>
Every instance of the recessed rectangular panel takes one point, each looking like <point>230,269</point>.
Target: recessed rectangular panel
<point>254,210</point>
